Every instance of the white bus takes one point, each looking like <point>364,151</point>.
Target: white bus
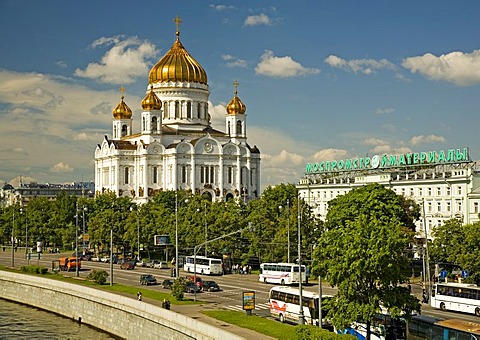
<point>281,273</point>
<point>458,297</point>
<point>203,265</point>
<point>285,305</point>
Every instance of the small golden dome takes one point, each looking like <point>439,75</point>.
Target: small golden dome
<point>122,111</point>
<point>151,101</point>
<point>177,65</point>
<point>236,106</point>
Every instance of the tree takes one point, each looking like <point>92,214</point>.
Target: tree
<point>362,252</point>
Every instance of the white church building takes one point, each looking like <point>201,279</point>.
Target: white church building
<point>177,148</point>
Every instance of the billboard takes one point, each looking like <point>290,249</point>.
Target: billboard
<point>161,240</point>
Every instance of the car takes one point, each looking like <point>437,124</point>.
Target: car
<point>95,258</point>
<point>210,286</point>
<point>141,263</point>
<point>148,280</point>
<point>191,288</point>
<point>160,265</point>
<point>167,284</point>
<point>105,259</point>
<point>152,263</point>
<point>128,265</point>
<point>199,280</point>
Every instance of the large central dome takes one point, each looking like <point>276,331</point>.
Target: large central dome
<point>177,66</point>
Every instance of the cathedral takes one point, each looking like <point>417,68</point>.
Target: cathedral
<point>177,148</point>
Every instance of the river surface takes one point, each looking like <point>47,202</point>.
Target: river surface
<point>24,322</point>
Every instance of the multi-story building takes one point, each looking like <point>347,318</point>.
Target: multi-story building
<point>446,184</point>
<point>177,148</point>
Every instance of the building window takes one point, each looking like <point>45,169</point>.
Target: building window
<point>177,109</point>
<point>154,124</point>
<point>459,190</point>
<point>475,207</point>
<point>411,192</point>
<point>189,110</point>
<point>430,207</point>
<point>124,130</point>
<point>420,191</point>
<point>459,207</point>
<point>403,191</point>
<point>230,175</point>
<point>126,174</point>
<point>155,174</point>
<point>144,124</point>
<point>439,191</point>
<point>439,206</point>
<point>448,191</point>
<point>199,110</point>
<point>239,128</point>
<point>449,208</point>
<point>165,110</point>
<point>429,191</point>
<point>184,173</point>
<point>207,174</point>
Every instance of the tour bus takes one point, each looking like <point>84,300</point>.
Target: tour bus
<point>458,297</point>
<point>203,265</point>
<point>427,327</point>
<point>281,273</point>
<point>285,305</point>
<point>382,327</point>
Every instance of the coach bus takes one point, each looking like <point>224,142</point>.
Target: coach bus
<point>458,297</point>
<point>281,273</point>
<point>285,305</point>
<point>203,265</point>
<point>427,327</point>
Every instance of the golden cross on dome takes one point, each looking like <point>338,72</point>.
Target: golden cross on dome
<point>122,90</point>
<point>235,84</point>
<point>177,21</point>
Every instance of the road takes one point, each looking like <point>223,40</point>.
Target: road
<point>230,297</point>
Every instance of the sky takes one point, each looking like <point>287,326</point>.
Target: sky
<point>321,80</point>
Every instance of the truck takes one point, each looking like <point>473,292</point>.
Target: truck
<point>69,263</point>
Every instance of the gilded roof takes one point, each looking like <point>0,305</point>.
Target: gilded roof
<point>151,101</point>
<point>122,111</point>
<point>236,106</point>
<point>177,65</point>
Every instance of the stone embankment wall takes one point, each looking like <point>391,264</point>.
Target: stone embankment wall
<point>118,315</point>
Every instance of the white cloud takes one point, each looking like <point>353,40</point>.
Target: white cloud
<point>329,154</point>
<point>365,66</point>
<point>461,69</point>
<point>255,20</point>
<point>381,149</point>
<point>281,67</point>
<point>382,111</point>
<point>61,167</point>
<point>233,61</point>
<point>427,139</point>
<point>221,7</point>
<point>126,60</point>
<point>374,141</point>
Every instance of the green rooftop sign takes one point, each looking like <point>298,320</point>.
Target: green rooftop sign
<point>386,161</point>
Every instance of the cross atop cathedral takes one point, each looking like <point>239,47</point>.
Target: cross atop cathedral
<point>177,21</point>
<point>122,90</point>
<point>235,85</point>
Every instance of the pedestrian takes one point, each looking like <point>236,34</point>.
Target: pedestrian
<point>166,304</point>
<point>139,296</point>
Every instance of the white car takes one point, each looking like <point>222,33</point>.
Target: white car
<point>160,265</point>
<point>105,259</point>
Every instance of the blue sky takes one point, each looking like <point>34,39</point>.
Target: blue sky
<point>321,80</point>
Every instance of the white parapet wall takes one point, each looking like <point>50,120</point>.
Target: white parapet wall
<point>118,315</point>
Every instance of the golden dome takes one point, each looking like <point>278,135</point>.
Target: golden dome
<point>236,106</point>
<point>177,65</point>
<point>122,111</point>
<point>151,101</point>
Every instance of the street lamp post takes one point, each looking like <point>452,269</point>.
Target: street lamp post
<point>83,233</point>
<point>176,234</point>
<point>13,239</point>
<point>301,318</point>
<point>76,240</point>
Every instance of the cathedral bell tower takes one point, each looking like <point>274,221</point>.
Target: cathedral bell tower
<point>122,119</point>
<point>236,118</point>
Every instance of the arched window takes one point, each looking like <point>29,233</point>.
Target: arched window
<point>115,133</point>
<point>155,175</point>
<point>144,124</point>
<point>126,174</point>
<point>154,123</point>
<point>239,127</point>
<point>124,130</point>
<point>184,174</point>
<point>165,109</point>
<point>199,110</point>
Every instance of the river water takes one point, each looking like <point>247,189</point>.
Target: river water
<point>24,322</point>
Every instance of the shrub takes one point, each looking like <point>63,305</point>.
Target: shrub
<point>34,269</point>
<point>98,276</point>
<point>308,332</point>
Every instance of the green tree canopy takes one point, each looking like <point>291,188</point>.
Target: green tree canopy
<point>362,252</point>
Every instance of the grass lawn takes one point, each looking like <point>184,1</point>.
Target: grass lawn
<point>258,324</point>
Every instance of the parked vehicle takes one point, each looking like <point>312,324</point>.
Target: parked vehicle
<point>210,286</point>
<point>69,263</point>
<point>95,258</point>
<point>128,265</point>
<point>152,263</point>
<point>105,259</point>
<point>148,280</point>
<point>167,284</point>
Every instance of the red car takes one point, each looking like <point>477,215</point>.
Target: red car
<point>199,280</point>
